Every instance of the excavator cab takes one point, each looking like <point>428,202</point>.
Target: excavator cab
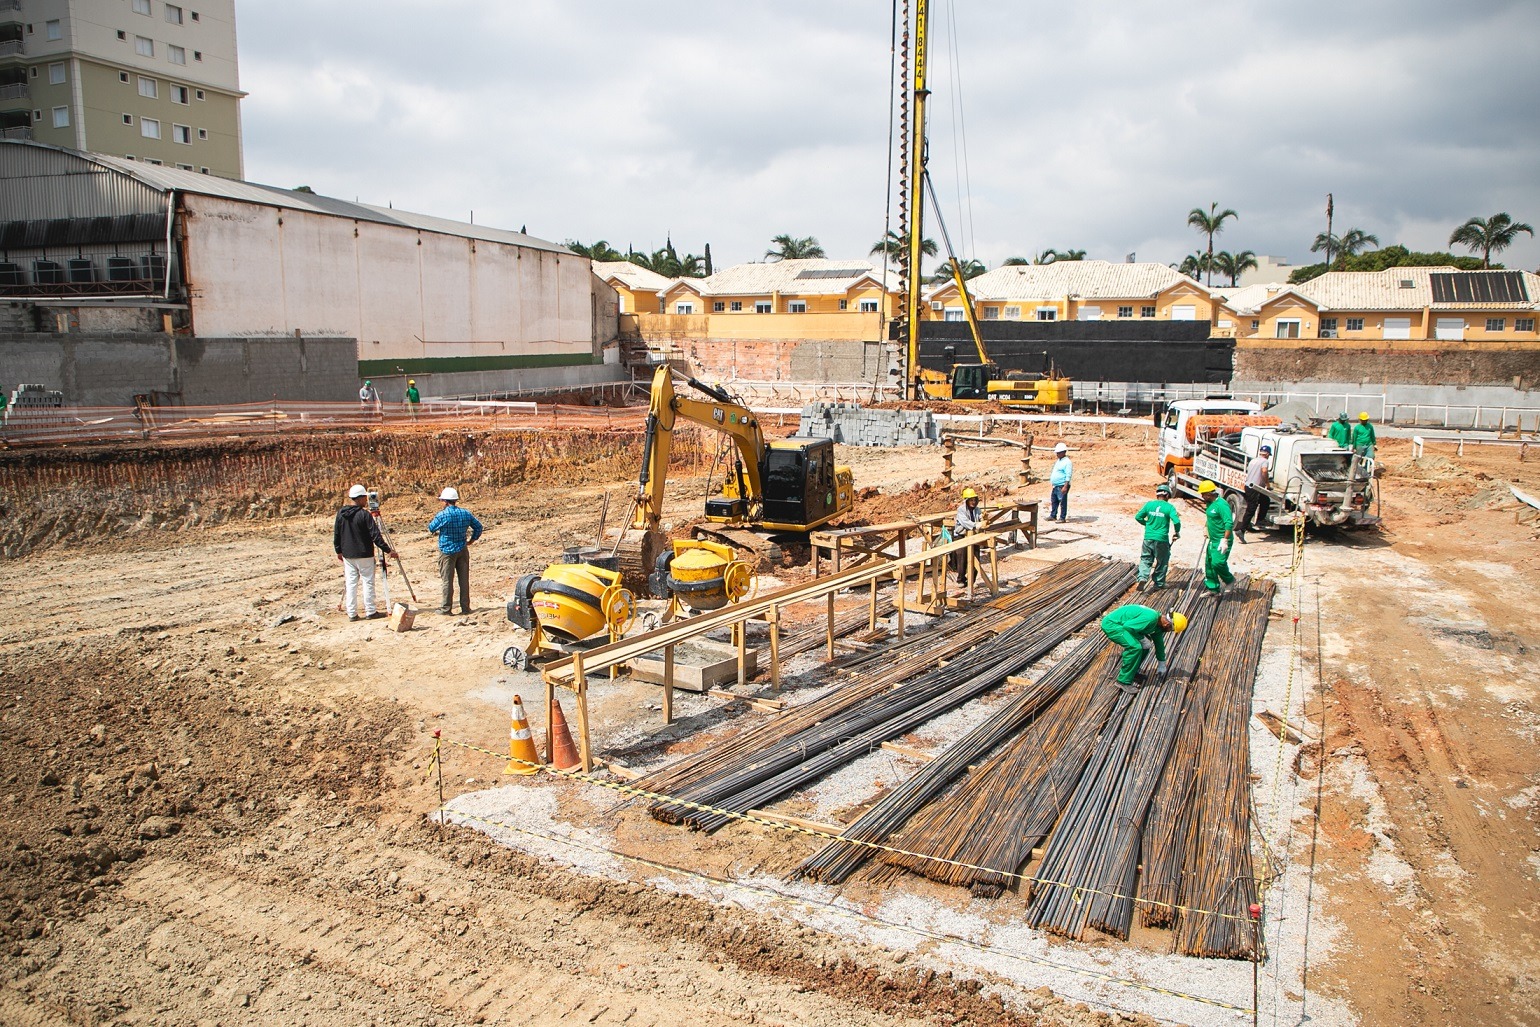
<point>971,381</point>
<point>799,484</point>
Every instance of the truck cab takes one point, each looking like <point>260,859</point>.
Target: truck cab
<point>1179,440</point>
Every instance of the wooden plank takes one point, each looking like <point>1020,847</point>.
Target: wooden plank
<point>904,750</point>
<point>806,825</point>
<point>624,773</point>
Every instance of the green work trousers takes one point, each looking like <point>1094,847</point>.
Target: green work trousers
<point>1154,558</point>
<point>1216,566</point>
<point>1133,653</point>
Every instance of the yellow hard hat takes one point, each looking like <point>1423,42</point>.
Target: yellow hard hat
<point>970,494</point>
<point>1178,621</point>
<point>411,381</point>
<point>1205,487</point>
<point>1363,417</point>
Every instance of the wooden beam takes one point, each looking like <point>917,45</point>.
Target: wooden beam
<point>806,825</point>
<point>904,750</point>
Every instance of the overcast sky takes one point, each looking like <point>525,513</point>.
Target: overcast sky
<point>1087,124</point>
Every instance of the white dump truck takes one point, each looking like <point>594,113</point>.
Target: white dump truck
<point>1312,478</point>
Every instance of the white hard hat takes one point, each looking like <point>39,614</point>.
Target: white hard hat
<point>1061,448</point>
<point>357,492</point>
<point>450,494</point>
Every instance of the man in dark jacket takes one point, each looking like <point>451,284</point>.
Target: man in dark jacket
<point>356,536</point>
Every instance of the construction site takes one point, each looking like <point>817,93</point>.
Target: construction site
<point>853,790</point>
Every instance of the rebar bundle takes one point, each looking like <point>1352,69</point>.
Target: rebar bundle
<point>1072,594</point>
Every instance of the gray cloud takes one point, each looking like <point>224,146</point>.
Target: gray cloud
<point>1095,124</point>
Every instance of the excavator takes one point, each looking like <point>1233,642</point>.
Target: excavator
<point>779,485</point>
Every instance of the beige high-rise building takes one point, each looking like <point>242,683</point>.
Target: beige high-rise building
<point>144,79</point>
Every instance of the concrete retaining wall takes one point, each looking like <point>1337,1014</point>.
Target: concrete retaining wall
<point>486,384</point>
<point>109,370</point>
<point>857,426</point>
<point>1508,365</point>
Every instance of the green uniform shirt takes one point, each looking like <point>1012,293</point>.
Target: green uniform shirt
<point>1139,622</point>
<point>1158,517</point>
<point>1338,433</point>
<point>412,395</point>
<point>1363,434</point>
<point>1220,520</point>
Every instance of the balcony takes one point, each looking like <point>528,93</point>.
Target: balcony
<point>14,90</point>
<point>19,132</point>
<point>10,5</point>
<point>11,48</point>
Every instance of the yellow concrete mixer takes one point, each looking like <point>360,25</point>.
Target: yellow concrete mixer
<point>697,575</point>
<point>567,603</point>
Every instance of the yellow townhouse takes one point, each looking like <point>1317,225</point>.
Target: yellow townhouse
<point>640,290</point>
<point>1079,290</point>
<point>1400,303</point>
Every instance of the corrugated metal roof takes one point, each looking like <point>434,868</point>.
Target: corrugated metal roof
<point>782,276</point>
<point>43,162</point>
<point>1086,279</point>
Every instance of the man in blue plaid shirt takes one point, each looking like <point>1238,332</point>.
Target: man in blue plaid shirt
<point>456,530</point>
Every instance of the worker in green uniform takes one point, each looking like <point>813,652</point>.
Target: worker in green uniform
<point>1162,526</point>
<point>1339,430</point>
<point>413,397</point>
<point>1362,440</point>
<point>1221,537</point>
<point>1130,625</point>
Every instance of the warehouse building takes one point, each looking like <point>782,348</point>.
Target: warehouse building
<point>120,278</point>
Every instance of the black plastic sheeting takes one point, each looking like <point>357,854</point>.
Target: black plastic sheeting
<point>1158,352</point>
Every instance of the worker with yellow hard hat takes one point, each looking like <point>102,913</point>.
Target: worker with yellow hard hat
<point>966,521</point>
<point>1221,537</point>
<point>1362,439</point>
<point>1131,626</point>
<point>413,397</point>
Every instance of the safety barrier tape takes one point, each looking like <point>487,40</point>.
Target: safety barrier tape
<point>852,914</point>
<point>633,791</point>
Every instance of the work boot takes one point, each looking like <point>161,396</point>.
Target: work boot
<point>352,616</point>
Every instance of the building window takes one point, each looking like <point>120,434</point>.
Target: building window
<point>195,18</point>
<point>55,74</point>
<point>1147,311</point>
<point>718,306</point>
<point>1496,324</point>
<point>761,306</point>
<point>152,160</point>
<point>54,29</point>
<point>198,93</point>
<point>1125,312</point>
<point>1047,314</point>
<point>797,306</point>
<point>197,55</point>
<point>185,167</point>
<point>201,170</point>
<point>203,133</point>
<point>1355,324</point>
<point>991,313</point>
<point>144,47</point>
<point>179,94</point>
<point>1523,324</point>
<point>737,305</point>
<point>142,7</point>
<point>868,306</point>
<point>684,307</point>
<point>148,87</point>
<point>175,54</point>
<point>123,77</point>
<point>128,119</point>
<point>149,128</point>
<point>1328,328</point>
<point>181,134</point>
<point>1013,313</point>
<point>844,304</point>
<point>122,36</point>
<point>954,314</point>
<point>173,14</point>
<point>61,117</point>
<point>1287,328</point>
<point>1255,324</point>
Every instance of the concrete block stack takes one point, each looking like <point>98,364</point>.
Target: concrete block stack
<point>854,425</point>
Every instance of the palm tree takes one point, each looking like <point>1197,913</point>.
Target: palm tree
<point>1234,264</point>
<point>896,246</point>
<point>1210,222</point>
<point>1068,255</point>
<point>1048,256</point>
<point>970,269</point>
<point>1015,261</point>
<point>1489,235</point>
<point>789,247</point>
<point>1348,244</point>
<point>600,250</point>
<point>1194,265</point>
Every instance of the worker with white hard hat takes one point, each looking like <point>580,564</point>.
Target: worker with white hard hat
<point>456,529</point>
<point>1221,524</point>
<point>1258,502</point>
<point>1058,481</point>
<point>1131,626</point>
<point>355,537</point>
<point>413,397</point>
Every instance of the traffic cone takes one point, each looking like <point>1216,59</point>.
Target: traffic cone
<point>564,755</point>
<point>522,757</point>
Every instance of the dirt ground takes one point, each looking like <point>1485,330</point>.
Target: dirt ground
<point>217,808</point>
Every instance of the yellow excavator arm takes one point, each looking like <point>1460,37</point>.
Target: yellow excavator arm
<point>723,413</point>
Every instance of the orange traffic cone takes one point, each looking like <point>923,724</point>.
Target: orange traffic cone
<point>522,757</point>
<point>564,755</point>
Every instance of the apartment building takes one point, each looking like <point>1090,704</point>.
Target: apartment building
<point>1078,290</point>
<point>140,79</point>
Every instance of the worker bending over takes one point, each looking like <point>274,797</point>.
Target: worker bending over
<point>1130,626</point>
<point>1221,537</point>
<point>966,522</point>
<point>1162,526</point>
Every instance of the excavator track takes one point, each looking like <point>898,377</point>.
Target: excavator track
<point>754,549</point>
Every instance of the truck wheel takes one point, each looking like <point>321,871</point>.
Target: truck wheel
<point>1237,507</point>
